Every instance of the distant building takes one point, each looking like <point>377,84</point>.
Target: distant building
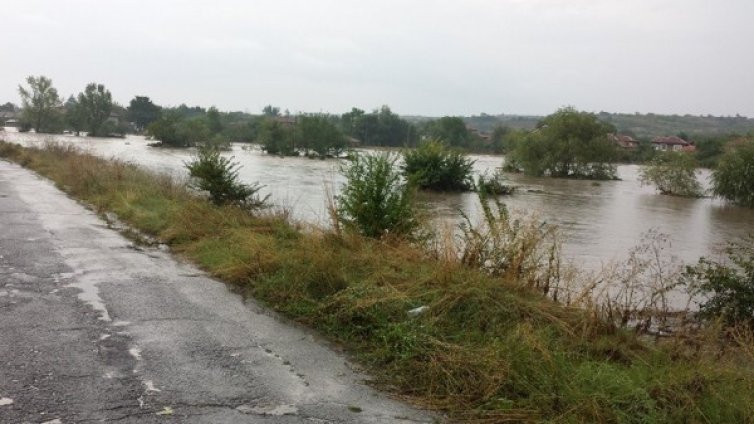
<point>624,141</point>
<point>9,119</point>
<point>673,143</point>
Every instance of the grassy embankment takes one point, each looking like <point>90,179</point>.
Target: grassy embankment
<point>486,350</point>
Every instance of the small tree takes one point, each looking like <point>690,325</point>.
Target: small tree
<point>218,176</point>
<point>733,179</point>
<point>672,173</point>
<point>435,166</point>
<point>375,200</point>
<point>276,139</point>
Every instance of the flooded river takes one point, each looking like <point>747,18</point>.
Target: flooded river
<point>601,222</point>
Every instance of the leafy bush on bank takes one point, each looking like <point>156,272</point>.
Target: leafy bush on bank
<point>375,200</point>
<point>218,176</point>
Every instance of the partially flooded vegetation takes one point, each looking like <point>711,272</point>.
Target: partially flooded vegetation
<point>488,324</point>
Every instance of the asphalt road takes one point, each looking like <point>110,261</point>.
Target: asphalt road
<point>96,329</point>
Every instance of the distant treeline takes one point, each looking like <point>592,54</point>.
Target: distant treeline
<point>93,111</point>
<point>638,125</point>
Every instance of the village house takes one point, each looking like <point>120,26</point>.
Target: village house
<point>672,143</point>
<point>9,119</point>
<point>624,141</point>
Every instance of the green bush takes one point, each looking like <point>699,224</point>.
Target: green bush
<point>435,166</point>
<point>375,201</point>
<point>218,176</point>
<point>733,179</point>
<point>494,184</point>
<point>672,173</point>
<point>727,287</point>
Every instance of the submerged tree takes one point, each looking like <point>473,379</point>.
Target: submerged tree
<point>435,166</point>
<point>733,179</point>
<point>143,112</point>
<point>568,144</point>
<point>40,102</point>
<point>96,103</point>
<point>318,134</point>
<point>672,173</point>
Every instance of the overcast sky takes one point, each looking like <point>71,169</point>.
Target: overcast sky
<point>423,57</point>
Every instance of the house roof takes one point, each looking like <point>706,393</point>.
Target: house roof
<point>622,138</point>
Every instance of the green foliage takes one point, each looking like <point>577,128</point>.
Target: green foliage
<point>171,129</point>
<point>277,139</point>
<point>727,287</point>
<point>451,129</point>
<point>494,184</point>
<point>143,112</point>
<point>568,144</point>
<point>375,201</point>
<point>40,102</point>
<point>271,111</point>
<point>74,115</point>
<point>379,128</point>
<point>218,176</point>
<point>214,121</point>
<point>435,166</point>
<point>733,179</point>
<point>672,173</point>
<point>318,134</point>
<point>96,103</point>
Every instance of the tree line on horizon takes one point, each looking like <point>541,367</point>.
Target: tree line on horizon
<point>93,111</point>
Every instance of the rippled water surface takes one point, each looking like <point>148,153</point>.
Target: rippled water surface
<point>601,221</point>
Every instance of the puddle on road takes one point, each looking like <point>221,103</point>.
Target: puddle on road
<point>5,401</point>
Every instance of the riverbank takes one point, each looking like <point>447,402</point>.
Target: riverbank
<point>484,349</point>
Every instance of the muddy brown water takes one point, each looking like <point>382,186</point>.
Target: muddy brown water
<point>601,221</point>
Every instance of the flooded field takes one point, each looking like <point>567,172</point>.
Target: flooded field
<point>601,221</point>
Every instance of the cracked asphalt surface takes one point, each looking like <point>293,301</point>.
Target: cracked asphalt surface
<point>96,329</point>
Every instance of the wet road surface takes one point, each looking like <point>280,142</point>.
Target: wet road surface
<point>96,329</point>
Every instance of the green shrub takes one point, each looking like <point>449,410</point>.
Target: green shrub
<point>494,184</point>
<point>727,287</point>
<point>733,179</point>
<point>672,173</point>
<point>375,200</point>
<point>218,176</point>
<point>435,166</point>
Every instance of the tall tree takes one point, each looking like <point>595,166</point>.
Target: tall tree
<point>271,111</point>
<point>74,115</point>
<point>214,122</point>
<point>143,112</point>
<point>97,103</point>
<point>40,101</point>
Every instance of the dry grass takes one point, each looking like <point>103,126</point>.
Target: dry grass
<point>488,347</point>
